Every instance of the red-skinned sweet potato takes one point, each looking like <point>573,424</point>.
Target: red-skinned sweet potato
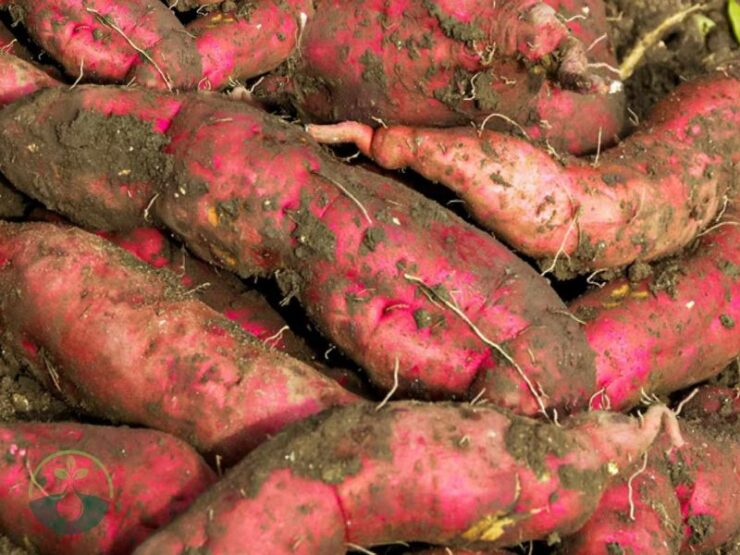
<point>19,78</point>
<point>114,41</point>
<point>253,39</point>
<point>647,520</point>
<point>388,276</point>
<point>116,339</point>
<point>475,477</point>
<point>685,500</point>
<point>646,198</point>
<point>80,489</point>
<point>659,341</point>
<point>437,64</point>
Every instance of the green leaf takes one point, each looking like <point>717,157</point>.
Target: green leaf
<point>733,12</point>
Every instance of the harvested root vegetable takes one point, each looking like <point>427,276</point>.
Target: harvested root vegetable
<point>124,41</point>
<point>80,489</point>
<point>646,198</point>
<point>222,292</point>
<point>436,64</point>
<point>683,500</point>
<point>118,340</point>
<point>19,78</point>
<point>253,39</point>
<point>476,477</point>
<point>639,514</point>
<point>413,294</point>
<point>668,332</point>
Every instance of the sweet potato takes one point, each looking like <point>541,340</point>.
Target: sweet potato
<point>19,78</point>
<point>119,41</point>
<point>120,341</point>
<point>222,292</point>
<point>434,65</point>
<point>665,333</point>
<point>475,477</point>
<point>79,489</point>
<point>646,198</point>
<point>685,500</point>
<point>387,275</point>
<point>647,520</point>
<point>439,66</point>
<point>253,39</point>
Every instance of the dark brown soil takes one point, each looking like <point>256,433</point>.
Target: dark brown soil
<point>701,42</point>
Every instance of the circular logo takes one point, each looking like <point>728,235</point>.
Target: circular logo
<point>70,492</point>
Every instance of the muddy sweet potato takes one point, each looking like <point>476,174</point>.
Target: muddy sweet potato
<point>476,477</point>
<point>79,489</point>
<point>436,64</point>
<point>388,276</point>
<point>683,500</point>
<point>669,331</point>
<point>646,198</point>
<point>19,78</point>
<point>116,339</point>
<point>124,41</point>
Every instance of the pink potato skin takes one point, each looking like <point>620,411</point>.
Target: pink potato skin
<point>234,45</point>
<point>656,528</point>
<point>475,477</point>
<point>116,339</point>
<point>347,242</point>
<point>154,477</point>
<point>222,292</point>
<point>80,34</point>
<point>658,342</point>
<point>19,78</point>
<point>648,197</point>
<point>686,501</point>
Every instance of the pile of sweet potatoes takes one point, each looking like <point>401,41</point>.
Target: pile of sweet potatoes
<point>186,261</point>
